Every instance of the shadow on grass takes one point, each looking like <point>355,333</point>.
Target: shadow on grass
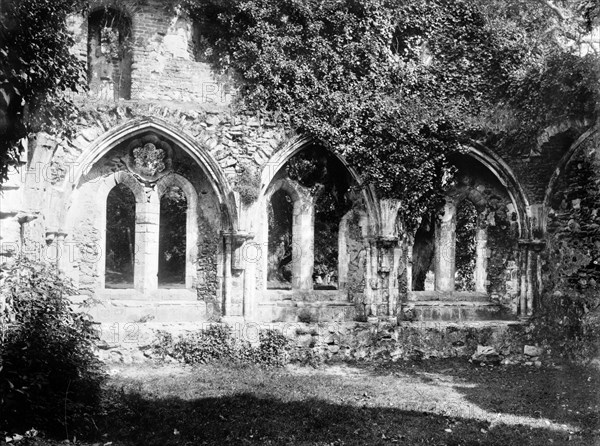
<point>246,419</point>
<point>566,395</point>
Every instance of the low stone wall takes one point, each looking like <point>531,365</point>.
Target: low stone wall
<point>336,341</point>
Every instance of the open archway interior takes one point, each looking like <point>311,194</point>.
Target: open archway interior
<point>177,239</point>
<point>172,238</point>
<point>280,215</point>
<point>423,278</point>
<point>120,238</point>
<point>308,226</point>
<point>470,244</point>
<point>327,225</point>
<point>328,182</point>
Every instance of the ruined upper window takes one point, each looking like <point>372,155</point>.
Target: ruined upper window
<point>109,54</point>
<point>206,33</point>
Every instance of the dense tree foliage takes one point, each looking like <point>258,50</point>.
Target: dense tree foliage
<point>36,70</point>
<point>396,86</point>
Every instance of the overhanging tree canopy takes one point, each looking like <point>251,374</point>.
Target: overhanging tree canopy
<point>36,70</point>
<point>396,86</point>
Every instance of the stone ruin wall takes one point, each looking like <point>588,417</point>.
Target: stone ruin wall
<point>169,83</point>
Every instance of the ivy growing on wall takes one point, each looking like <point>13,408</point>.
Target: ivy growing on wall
<point>571,306</point>
<point>395,87</point>
<point>466,227</point>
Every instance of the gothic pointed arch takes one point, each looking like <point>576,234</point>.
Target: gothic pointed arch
<point>85,166</point>
<point>301,142</point>
<point>579,145</point>
<point>319,234</point>
<point>498,167</point>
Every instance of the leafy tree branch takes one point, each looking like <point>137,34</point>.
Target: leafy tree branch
<point>37,69</point>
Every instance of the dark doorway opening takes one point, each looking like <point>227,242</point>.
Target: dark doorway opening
<point>120,237</point>
<point>172,239</point>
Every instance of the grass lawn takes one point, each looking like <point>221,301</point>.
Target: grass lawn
<point>430,402</point>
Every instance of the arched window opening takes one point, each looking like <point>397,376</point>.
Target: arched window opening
<point>327,225</point>
<point>423,275</point>
<point>328,181</point>
<point>120,237</point>
<point>109,54</point>
<point>280,216</point>
<point>172,238</point>
<point>466,246</point>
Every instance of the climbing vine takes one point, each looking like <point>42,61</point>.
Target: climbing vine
<point>393,87</point>
<point>570,309</point>
<point>466,226</point>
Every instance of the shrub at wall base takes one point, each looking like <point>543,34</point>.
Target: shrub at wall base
<point>49,376</point>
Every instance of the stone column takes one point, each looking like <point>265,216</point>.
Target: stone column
<point>191,246</point>
<point>343,256</point>
<point>388,269</point>
<point>409,262</point>
<point>251,253</point>
<point>529,269</point>
<point>445,249</point>
<point>480,260</point>
<point>235,283</point>
<point>146,243</point>
<point>227,294</point>
<point>523,255</point>
<point>303,247</point>
<point>385,252</point>
<point>373,286</point>
<point>56,251</point>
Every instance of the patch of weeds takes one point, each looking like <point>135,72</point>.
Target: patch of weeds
<point>272,348</point>
<point>213,344</point>
<point>163,344</point>
<point>248,183</point>
<point>308,357</point>
<point>217,344</point>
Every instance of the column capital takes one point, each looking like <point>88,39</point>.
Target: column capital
<point>235,240</point>
<point>386,241</point>
<point>238,238</point>
<point>389,208</point>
